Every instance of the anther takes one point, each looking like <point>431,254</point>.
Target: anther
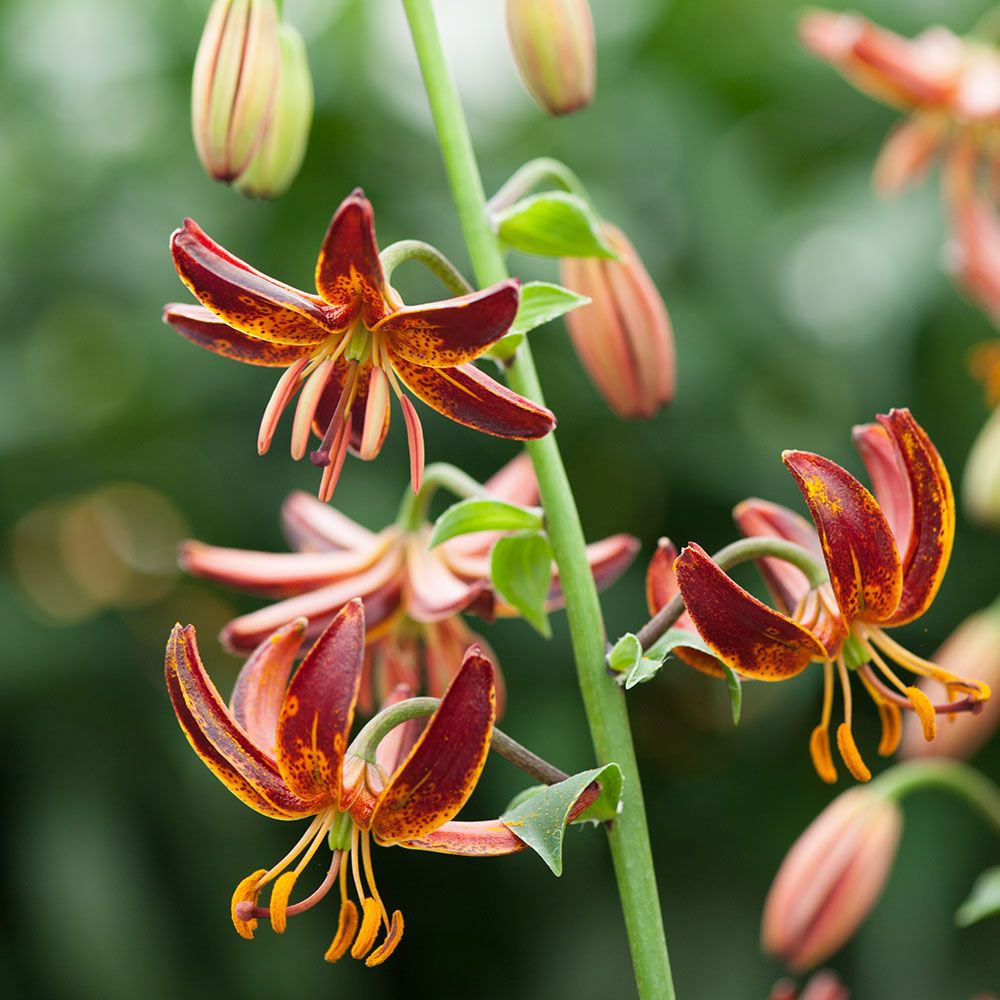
<point>850,755</point>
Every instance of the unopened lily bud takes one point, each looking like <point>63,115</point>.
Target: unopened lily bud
<point>831,878</point>
<point>235,83</point>
<point>981,480</point>
<point>973,650</point>
<point>280,154</point>
<point>623,336</point>
<point>553,45</point>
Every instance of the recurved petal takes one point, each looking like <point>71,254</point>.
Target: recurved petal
<point>515,482</point>
<point>449,333</point>
<point>310,524</point>
<point>260,686</point>
<point>752,638</point>
<point>926,552</point>
<point>318,708</point>
<point>228,752</point>
<point>470,397</point>
<point>245,298</point>
<point>890,482</point>
<point>861,555</point>
<point>438,777</point>
<point>202,327</point>
<point>432,591</point>
<point>478,838</point>
<point>608,559</point>
<point>348,271</point>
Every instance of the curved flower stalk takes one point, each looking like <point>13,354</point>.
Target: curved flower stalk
<point>886,556</point>
<point>347,350</point>
<point>413,595</point>
<point>281,748</point>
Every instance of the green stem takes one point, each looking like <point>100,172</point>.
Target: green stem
<point>951,775</point>
<point>413,510</point>
<point>603,700</point>
<point>432,258</point>
<point>525,179</point>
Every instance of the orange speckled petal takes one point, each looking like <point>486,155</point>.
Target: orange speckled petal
<point>925,558</point>
<point>449,333</point>
<point>318,709</point>
<point>242,766</point>
<point>890,482</point>
<point>438,776</point>
<point>752,638</point>
<point>246,299</point>
<point>861,555</point>
<point>202,327</point>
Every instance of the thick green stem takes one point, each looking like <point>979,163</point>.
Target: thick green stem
<point>603,700</point>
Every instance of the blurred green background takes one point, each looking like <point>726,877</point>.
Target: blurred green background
<point>802,305</point>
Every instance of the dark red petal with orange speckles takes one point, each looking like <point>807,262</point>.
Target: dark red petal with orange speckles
<point>318,709</point>
<point>750,637</point>
<point>438,777</point>
<point>242,766</point>
<point>890,482</point>
<point>245,298</point>
<point>202,327</point>
<point>861,555</point>
<point>445,334</point>
<point>925,558</point>
<point>470,397</point>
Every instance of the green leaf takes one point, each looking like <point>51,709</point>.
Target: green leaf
<point>735,692</point>
<point>646,667</point>
<point>540,820</point>
<point>552,224</point>
<point>541,302</point>
<point>983,901</point>
<point>521,570</point>
<point>625,653</point>
<point>483,514</point>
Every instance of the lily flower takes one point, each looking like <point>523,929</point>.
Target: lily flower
<point>885,555</point>
<point>281,746</point>
<point>413,595</point>
<point>352,346</point>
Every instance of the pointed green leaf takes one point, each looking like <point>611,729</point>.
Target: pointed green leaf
<point>735,692</point>
<point>540,820</point>
<point>625,654</point>
<point>521,570</point>
<point>552,224</point>
<point>983,901</point>
<point>644,669</point>
<point>483,514</point>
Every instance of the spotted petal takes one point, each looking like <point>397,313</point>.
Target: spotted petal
<point>245,298</point>
<point>202,327</point>
<point>470,397</point>
<point>445,334</point>
<point>228,752</point>
<point>750,637</point>
<point>861,556</point>
<point>318,709</point>
<point>438,777</point>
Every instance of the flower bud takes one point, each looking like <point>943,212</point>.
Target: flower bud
<point>981,479</point>
<point>280,154</point>
<point>822,985</point>
<point>235,83</point>
<point>973,650</point>
<point>831,878</point>
<point>623,337</point>
<point>553,44</point>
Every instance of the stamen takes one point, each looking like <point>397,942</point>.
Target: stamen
<point>925,711</point>
<point>280,398</point>
<point>294,852</point>
<point>340,417</point>
<point>279,901</point>
<point>414,432</point>
<point>819,740</point>
<point>845,685</point>
<point>370,920</point>
<point>305,411</point>
<point>331,474</point>
<point>969,704</point>
<point>347,923</point>
<point>927,668</point>
<point>849,752</point>
<point>246,893</point>
<point>247,911</point>
<point>889,715</point>
<point>388,946</point>
<point>366,856</point>
<point>882,665</point>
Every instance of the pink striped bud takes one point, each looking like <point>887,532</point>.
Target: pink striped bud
<point>831,878</point>
<point>553,45</point>
<point>623,337</point>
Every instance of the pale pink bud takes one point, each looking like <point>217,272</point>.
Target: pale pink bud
<point>553,45</point>
<point>623,337</point>
<point>831,878</point>
<point>972,650</point>
<point>234,85</point>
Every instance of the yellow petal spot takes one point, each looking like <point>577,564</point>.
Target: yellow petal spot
<point>279,901</point>
<point>849,752</point>
<point>819,749</point>
<point>346,926</point>
<point>246,892</point>
<point>370,920</point>
<point>892,728</point>
<point>388,946</point>
<point>925,711</point>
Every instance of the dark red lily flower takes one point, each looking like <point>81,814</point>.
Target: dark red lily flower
<point>353,345</point>
<point>413,595</point>
<point>281,746</point>
<point>885,554</point>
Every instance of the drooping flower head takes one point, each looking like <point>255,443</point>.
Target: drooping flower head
<point>885,555</point>
<point>347,350</point>
<point>413,595</point>
<point>281,746</point>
